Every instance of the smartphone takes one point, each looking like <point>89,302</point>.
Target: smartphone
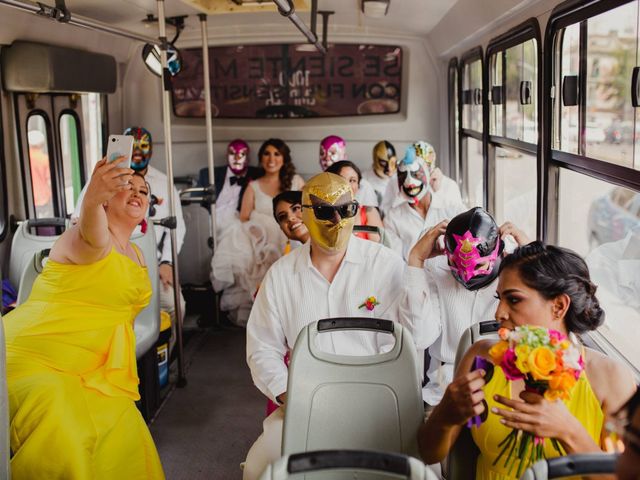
<point>120,146</point>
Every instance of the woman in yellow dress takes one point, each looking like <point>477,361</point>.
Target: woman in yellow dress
<point>71,364</point>
<point>549,287</point>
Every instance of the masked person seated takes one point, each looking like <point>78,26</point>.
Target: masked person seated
<point>445,191</point>
<point>544,286</point>
<point>71,360</point>
<point>462,280</point>
<point>366,215</point>
<point>331,275</point>
<point>382,172</point>
<point>334,149</point>
<point>416,212</point>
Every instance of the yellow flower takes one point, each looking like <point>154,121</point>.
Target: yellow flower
<point>565,344</point>
<point>372,299</point>
<point>522,358</point>
<point>496,352</point>
<point>553,395</point>
<point>542,362</point>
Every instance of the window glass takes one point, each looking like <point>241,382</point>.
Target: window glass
<point>566,135</point>
<point>40,166</point>
<point>522,92</point>
<point>473,173</point>
<point>453,116</point>
<point>515,189</point>
<point>71,159</point>
<point>602,222</point>
<point>611,56</point>
<point>496,117</point>
<point>472,94</point>
<point>92,129</point>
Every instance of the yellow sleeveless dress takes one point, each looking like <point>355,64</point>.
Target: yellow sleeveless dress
<point>72,378</point>
<point>583,404</point>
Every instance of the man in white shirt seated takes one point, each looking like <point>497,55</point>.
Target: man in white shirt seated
<point>462,276</point>
<point>383,171</point>
<point>157,180</point>
<point>445,191</point>
<point>332,275</point>
<point>333,149</point>
<point>418,211</point>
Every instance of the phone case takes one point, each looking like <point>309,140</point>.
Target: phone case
<point>120,146</point>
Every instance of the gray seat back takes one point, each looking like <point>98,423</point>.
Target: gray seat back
<point>5,449</point>
<point>353,402</point>
<point>384,238</point>
<point>347,465</point>
<point>572,465</point>
<point>31,271</point>
<point>195,254</point>
<point>460,464</point>
<point>147,323</point>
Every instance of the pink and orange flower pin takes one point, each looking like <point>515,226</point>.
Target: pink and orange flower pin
<point>370,303</point>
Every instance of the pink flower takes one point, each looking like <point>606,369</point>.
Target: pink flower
<point>555,337</point>
<point>509,367</point>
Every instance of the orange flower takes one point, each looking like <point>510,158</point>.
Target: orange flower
<point>503,333</point>
<point>496,352</point>
<point>542,362</point>
<point>563,381</point>
<point>553,395</point>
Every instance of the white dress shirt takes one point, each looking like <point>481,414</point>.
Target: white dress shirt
<point>295,294</point>
<point>405,225</point>
<point>379,184</point>
<point>448,194</point>
<point>366,194</point>
<point>227,202</point>
<point>157,181</point>
<point>454,309</point>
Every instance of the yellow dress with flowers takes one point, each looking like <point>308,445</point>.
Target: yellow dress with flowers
<point>582,403</point>
<point>72,378</point>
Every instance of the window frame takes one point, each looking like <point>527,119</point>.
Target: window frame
<point>528,30</point>
<point>81,159</point>
<point>4,197</point>
<point>452,96</point>
<point>470,56</point>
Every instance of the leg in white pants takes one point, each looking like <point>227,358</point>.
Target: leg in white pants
<point>167,304</point>
<point>267,448</point>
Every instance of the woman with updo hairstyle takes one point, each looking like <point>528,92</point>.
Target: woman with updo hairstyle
<point>366,215</point>
<point>543,286</point>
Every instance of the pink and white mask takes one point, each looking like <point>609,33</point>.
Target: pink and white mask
<point>238,157</point>
<point>332,150</point>
<point>468,265</point>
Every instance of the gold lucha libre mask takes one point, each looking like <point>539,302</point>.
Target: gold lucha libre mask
<point>384,159</point>
<point>328,211</point>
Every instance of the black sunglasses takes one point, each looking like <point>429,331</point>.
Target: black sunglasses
<point>327,212</point>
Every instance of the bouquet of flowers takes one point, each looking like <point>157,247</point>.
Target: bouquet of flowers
<point>550,365</point>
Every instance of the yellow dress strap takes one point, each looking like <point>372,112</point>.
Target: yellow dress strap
<point>139,255</point>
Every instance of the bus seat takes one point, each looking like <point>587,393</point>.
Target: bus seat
<point>576,465</point>
<point>147,323</point>
<point>30,273</point>
<point>384,238</point>
<point>26,244</point>
<point>353,402</point>
<point>347,465</point>
<point>5,448</point>
<point>195,254</point>
<point>461,462</point>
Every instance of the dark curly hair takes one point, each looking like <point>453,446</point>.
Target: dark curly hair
<point>288,169</point>
<point>339,165</point>
<point>554,271</point>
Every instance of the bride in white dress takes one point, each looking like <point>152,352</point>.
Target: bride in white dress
<point>249,247</point>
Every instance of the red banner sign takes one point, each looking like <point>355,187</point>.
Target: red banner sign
<point>290,81</point>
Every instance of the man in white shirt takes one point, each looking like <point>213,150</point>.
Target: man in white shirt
<point>444,190</point>
<point>462,281</point>
<point>418,212</point>
<point>332,275</point>
<point>157,180</point>
<point>333,149</point>
<point>382,171</point>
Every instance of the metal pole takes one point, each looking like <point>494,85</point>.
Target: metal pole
<point>79,21</point>
<point>285,9</point>
<point>166,114</point>
<point>208,119</point>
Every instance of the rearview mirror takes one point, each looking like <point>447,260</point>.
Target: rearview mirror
<point>151,57</point>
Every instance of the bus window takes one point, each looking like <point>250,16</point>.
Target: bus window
<point>454,126</point>
<point>40,166</point>
<point>521,92</point>
<point>601,221</point>
<point>71,159</point>
<point>568,126</point>
<point>474,172</point>
<point>472,89</point>
<point>515,190</point>
<point>611,56</point>
<point>496,103</point>
<point>92,134</point>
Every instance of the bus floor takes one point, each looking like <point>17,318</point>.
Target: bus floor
<point>204,430</point>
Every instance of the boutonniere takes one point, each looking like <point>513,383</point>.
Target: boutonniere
<point>370,303</point>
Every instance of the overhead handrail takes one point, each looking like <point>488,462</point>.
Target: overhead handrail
<point>286,9</point>
<point>77,20</point>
